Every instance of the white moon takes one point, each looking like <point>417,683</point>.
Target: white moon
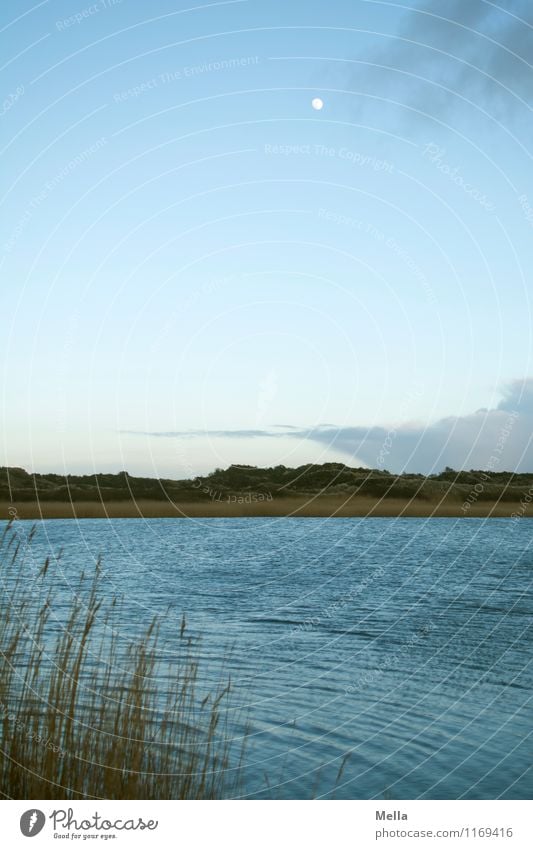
<point>317,103</point>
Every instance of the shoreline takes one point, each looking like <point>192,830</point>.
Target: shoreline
<point>292,506</point>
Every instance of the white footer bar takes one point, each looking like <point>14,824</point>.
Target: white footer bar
<point>264,825</point>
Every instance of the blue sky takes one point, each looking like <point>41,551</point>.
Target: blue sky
<point>199,268</point>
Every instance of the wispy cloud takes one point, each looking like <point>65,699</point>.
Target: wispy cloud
<point>473,49</point>
<point>190,434</point>
<point>457,441</point>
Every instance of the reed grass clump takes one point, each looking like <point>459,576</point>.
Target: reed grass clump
<point>84,716</point>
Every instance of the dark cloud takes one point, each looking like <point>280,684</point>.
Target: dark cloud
<point>518,395</point>
<point>475,49</point>
<point>498,439</point>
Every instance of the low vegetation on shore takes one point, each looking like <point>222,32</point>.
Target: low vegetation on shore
<point>250,484</point>
<point>310,490</point>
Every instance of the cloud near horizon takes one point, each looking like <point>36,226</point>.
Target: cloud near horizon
<point>497,439</point>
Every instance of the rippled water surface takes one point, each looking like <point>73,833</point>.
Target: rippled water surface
<point>404,644</point>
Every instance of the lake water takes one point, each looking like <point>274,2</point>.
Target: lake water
<point>405,643</point>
